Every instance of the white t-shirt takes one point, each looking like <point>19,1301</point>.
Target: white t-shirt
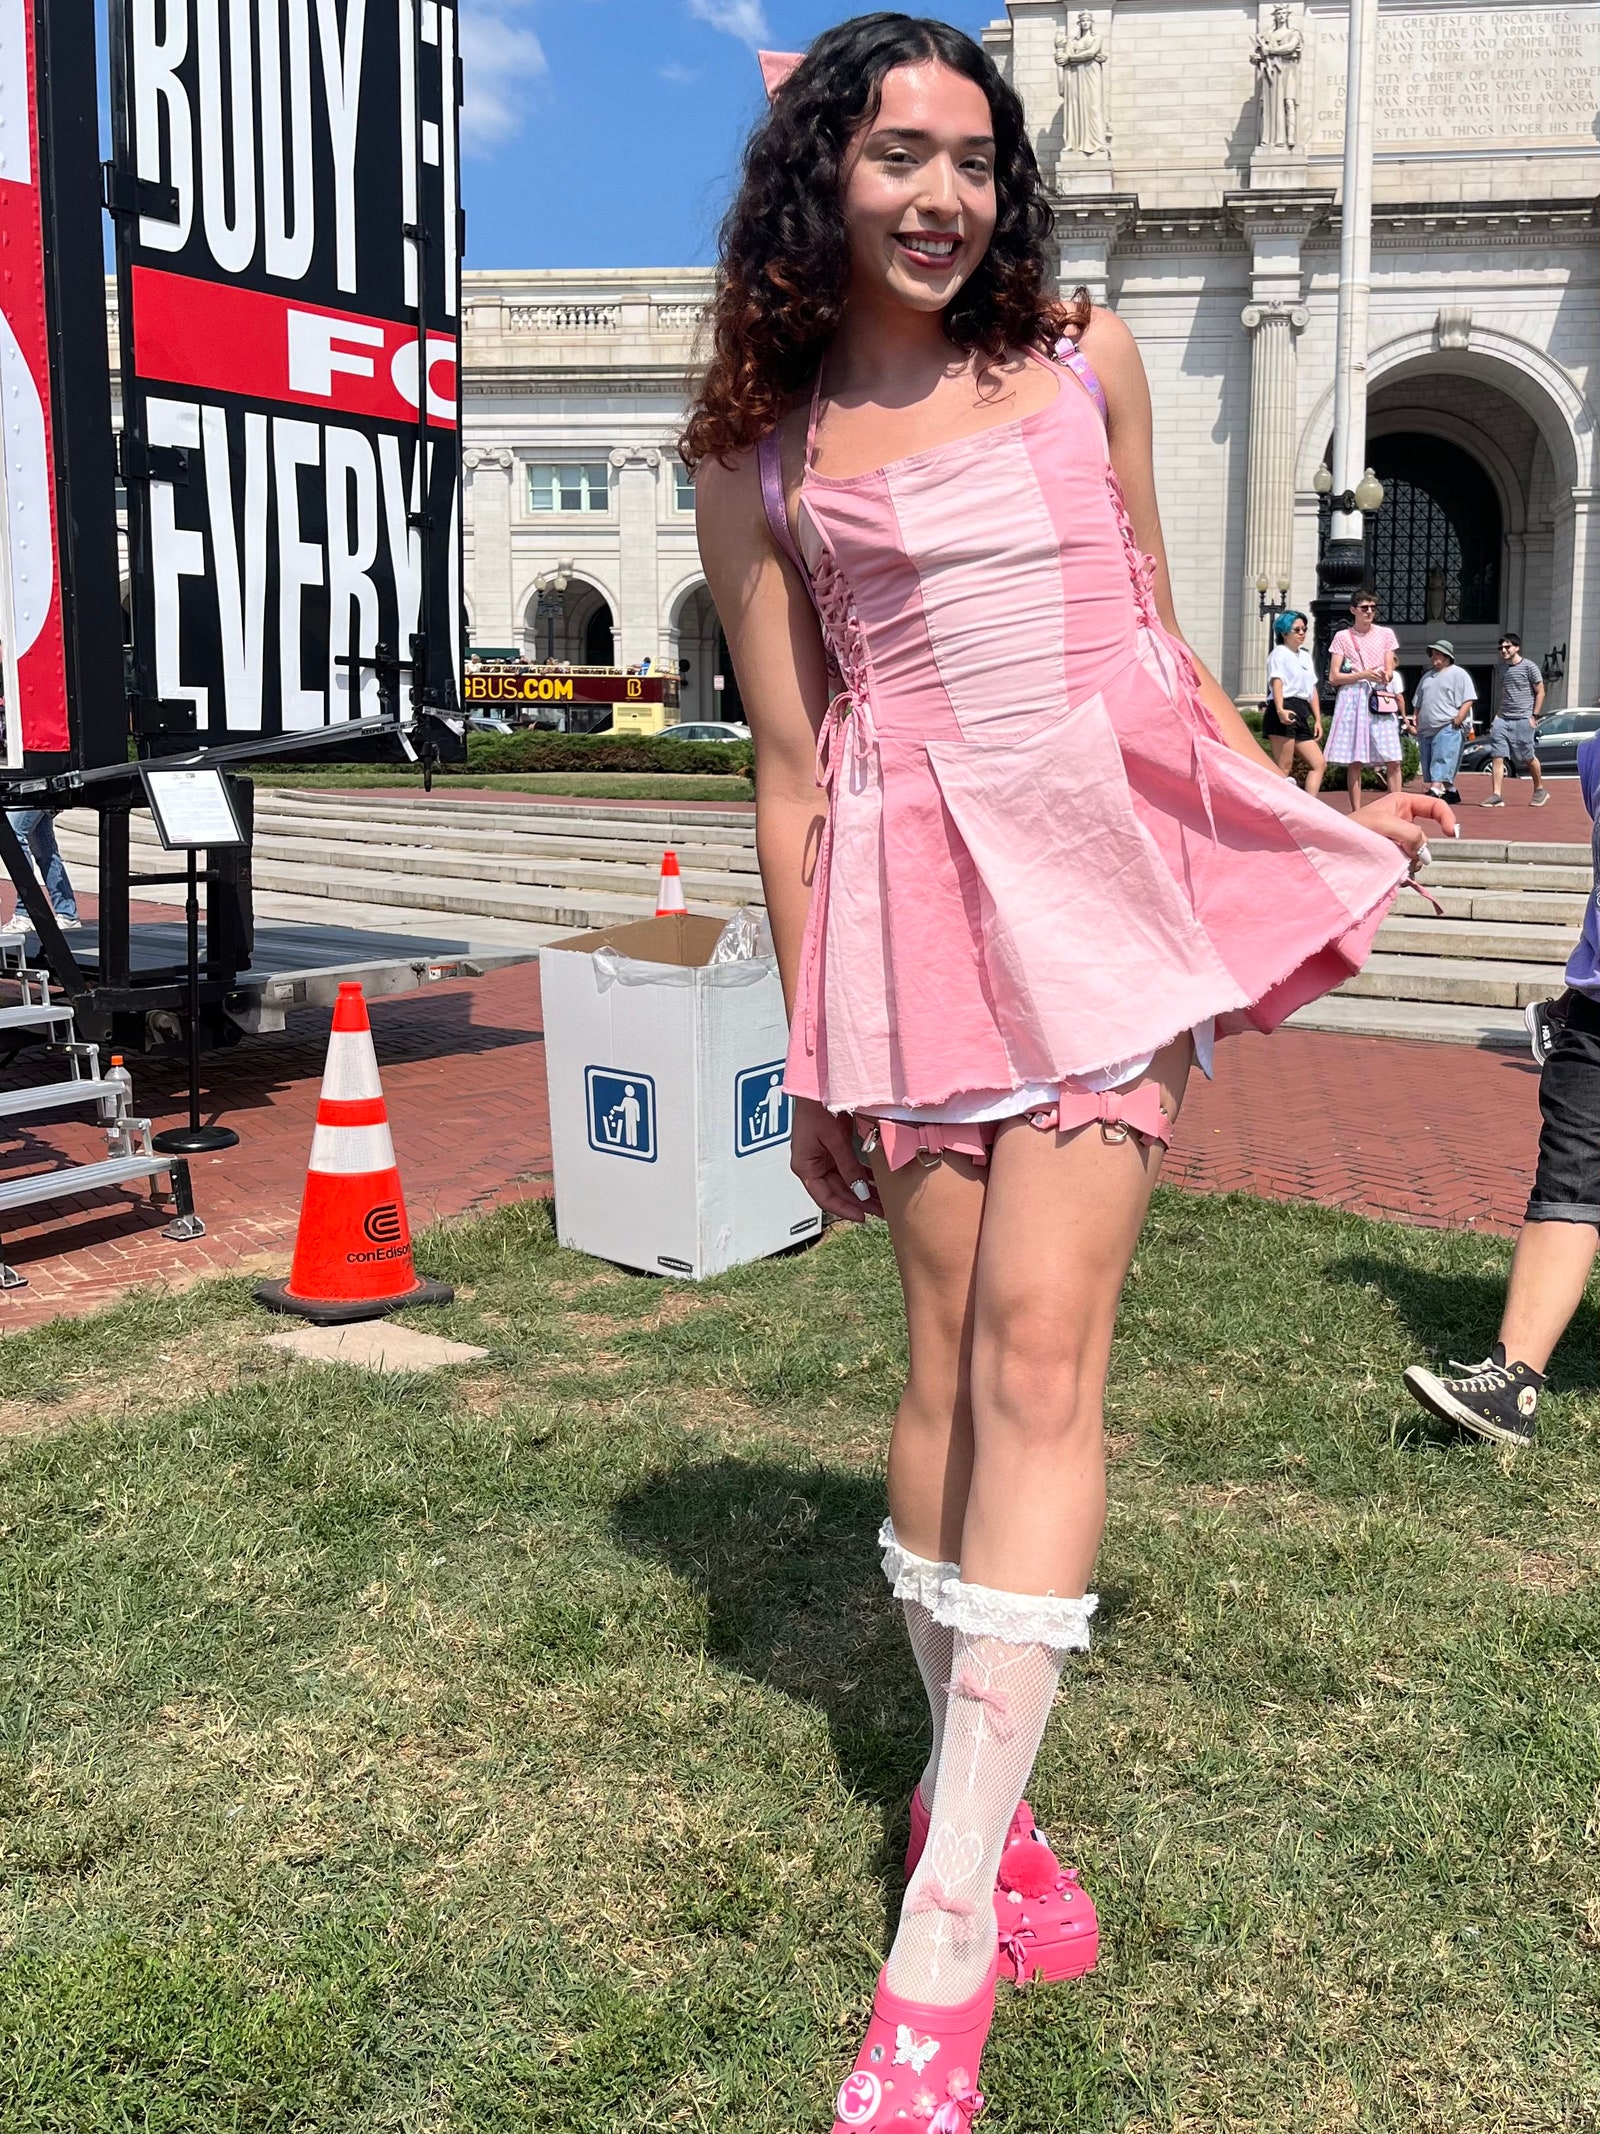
<point>1296,670</point>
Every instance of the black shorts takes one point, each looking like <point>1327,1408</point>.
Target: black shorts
<point>1297,723</point>
<point>1566,1187</point>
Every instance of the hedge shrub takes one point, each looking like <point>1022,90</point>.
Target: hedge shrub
<point>536,750</point>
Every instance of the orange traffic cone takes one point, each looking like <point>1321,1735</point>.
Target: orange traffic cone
<point>669,897</point>
<point>352,1252</point>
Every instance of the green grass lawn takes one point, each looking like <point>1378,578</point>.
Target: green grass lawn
<point>582,785</point>
<point>526,1747</point>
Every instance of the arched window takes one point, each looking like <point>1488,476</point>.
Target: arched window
<point>1433,551</point>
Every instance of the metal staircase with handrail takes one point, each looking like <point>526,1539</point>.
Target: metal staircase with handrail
<point>129,1154</point>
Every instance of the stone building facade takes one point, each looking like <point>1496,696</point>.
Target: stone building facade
<point>1194,151</point>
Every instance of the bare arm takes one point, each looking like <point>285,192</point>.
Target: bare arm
<point>776,647</point>
<point>1111,348</point>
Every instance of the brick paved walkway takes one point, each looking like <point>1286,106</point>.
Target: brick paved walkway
<point>1451,1141</point>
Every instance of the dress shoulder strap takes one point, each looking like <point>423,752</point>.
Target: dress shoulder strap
<point>1068,353</point>
<point>769,459</point>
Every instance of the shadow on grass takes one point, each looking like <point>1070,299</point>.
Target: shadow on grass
<point>1454,1313</point>
<point>795,1598</point>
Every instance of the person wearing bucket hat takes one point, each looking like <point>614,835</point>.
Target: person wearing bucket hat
<point>1443,702</point>
<point>1022,859</point>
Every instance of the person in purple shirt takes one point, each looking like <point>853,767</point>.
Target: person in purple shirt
<point>1499,1398</point>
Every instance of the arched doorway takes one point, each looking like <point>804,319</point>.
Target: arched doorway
<point>581,630</point>
<point>700,647</point>
<point>1485,458</point>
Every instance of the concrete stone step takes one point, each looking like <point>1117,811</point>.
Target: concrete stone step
<point>574,841</point>
<point>1470,939</point>
<point>1433,1022</point>
<point>574,908</point>
<point>573,817</point>
<point>441,798</point>
<point>1532,907</point>
<point>491,847</point>
<point>1463,981</point>
<point>1489,848</point>
<point>1505,876</point>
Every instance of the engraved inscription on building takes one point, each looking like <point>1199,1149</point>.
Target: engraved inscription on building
<point>1475,75</point>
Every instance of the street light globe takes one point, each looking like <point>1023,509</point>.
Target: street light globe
<point>1261,582</point>
<point>1322,480</point>
<point>1369,492</point>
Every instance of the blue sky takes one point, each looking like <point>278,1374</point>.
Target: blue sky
<point>601,133</point>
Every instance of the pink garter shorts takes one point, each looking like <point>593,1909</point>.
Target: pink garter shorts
<point>1118,1113</point>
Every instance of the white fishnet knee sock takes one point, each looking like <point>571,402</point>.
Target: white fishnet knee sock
<point>1005,1668</point>
<point>917,1581</point>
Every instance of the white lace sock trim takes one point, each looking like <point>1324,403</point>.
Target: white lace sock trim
<point>913,1578</point>
<point>1019,1618</point>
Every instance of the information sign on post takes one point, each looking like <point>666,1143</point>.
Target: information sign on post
<point>193,812</point>
<point>287,203</point>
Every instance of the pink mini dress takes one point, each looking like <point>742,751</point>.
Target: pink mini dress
<point>1040,858</point>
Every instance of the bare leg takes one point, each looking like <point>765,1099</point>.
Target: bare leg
<point>1497,772</point>
<point>1281,748</point>
<point>1548,1273</point>
<point>1394,776</point>
<point>1352,782</point>
<point>1062,1217</point>
<point>935,1213</point>
<point>1315,766</point>
<point>1538,775</point>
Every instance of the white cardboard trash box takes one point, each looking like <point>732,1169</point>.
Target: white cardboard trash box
<point>669,1128</point>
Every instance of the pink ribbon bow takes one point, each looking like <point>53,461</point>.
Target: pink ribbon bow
<point>1011,1948</point>
<point>933,1897</point>
<point>993,1700</point>
<point>962,2107</point>
<point>776,67</point>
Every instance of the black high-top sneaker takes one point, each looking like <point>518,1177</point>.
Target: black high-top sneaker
<point>1493,1399</point>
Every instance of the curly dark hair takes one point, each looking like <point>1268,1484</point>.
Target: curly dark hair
<point>784,268</point>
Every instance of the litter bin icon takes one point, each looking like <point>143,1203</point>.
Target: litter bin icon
<point>622,1113</point>
<point>763,1113</point>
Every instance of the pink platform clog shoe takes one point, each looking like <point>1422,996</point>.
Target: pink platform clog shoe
<point>1048,1925</point>
<point>917,2070</point>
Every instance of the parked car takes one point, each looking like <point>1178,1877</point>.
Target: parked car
<point>706,730</point>
<point>1559,735</point>
<point>479,722</point>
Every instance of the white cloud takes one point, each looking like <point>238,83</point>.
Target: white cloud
<point>746,19</point>
<point>676,71</point>
<point>499,57</point>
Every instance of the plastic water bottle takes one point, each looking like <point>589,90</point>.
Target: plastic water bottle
<point>112,1113</point>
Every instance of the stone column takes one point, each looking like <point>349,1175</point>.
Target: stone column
<point>638,510</point>
<point>489,587</point>
<point>1269,503</point>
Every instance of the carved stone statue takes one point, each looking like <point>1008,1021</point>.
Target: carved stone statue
<point>1276,57</point>
<point>1080,62</point>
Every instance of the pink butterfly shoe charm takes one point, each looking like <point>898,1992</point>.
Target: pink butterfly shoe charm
<point>1048,1926</point>
<point>917,2070</point>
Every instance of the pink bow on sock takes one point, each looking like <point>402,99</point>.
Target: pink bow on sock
<point>993,1700</point>
<point>932,1897</point>
<point>776,67</point>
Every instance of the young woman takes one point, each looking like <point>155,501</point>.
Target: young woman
<point>1050,862</point>
<point>1292,722</point>
<point>1366,712</point>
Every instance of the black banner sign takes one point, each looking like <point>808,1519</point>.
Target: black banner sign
<point>286,188</point>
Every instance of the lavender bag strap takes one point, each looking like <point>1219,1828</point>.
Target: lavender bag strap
<point>1082,369</point>
<point>769,459</point>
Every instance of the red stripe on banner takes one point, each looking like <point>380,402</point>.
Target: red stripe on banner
<point>352,1111</point>
<point>35,626</point>
<point>222,339</point>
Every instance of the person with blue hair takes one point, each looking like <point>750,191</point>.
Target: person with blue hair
<point>1291,721</point>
